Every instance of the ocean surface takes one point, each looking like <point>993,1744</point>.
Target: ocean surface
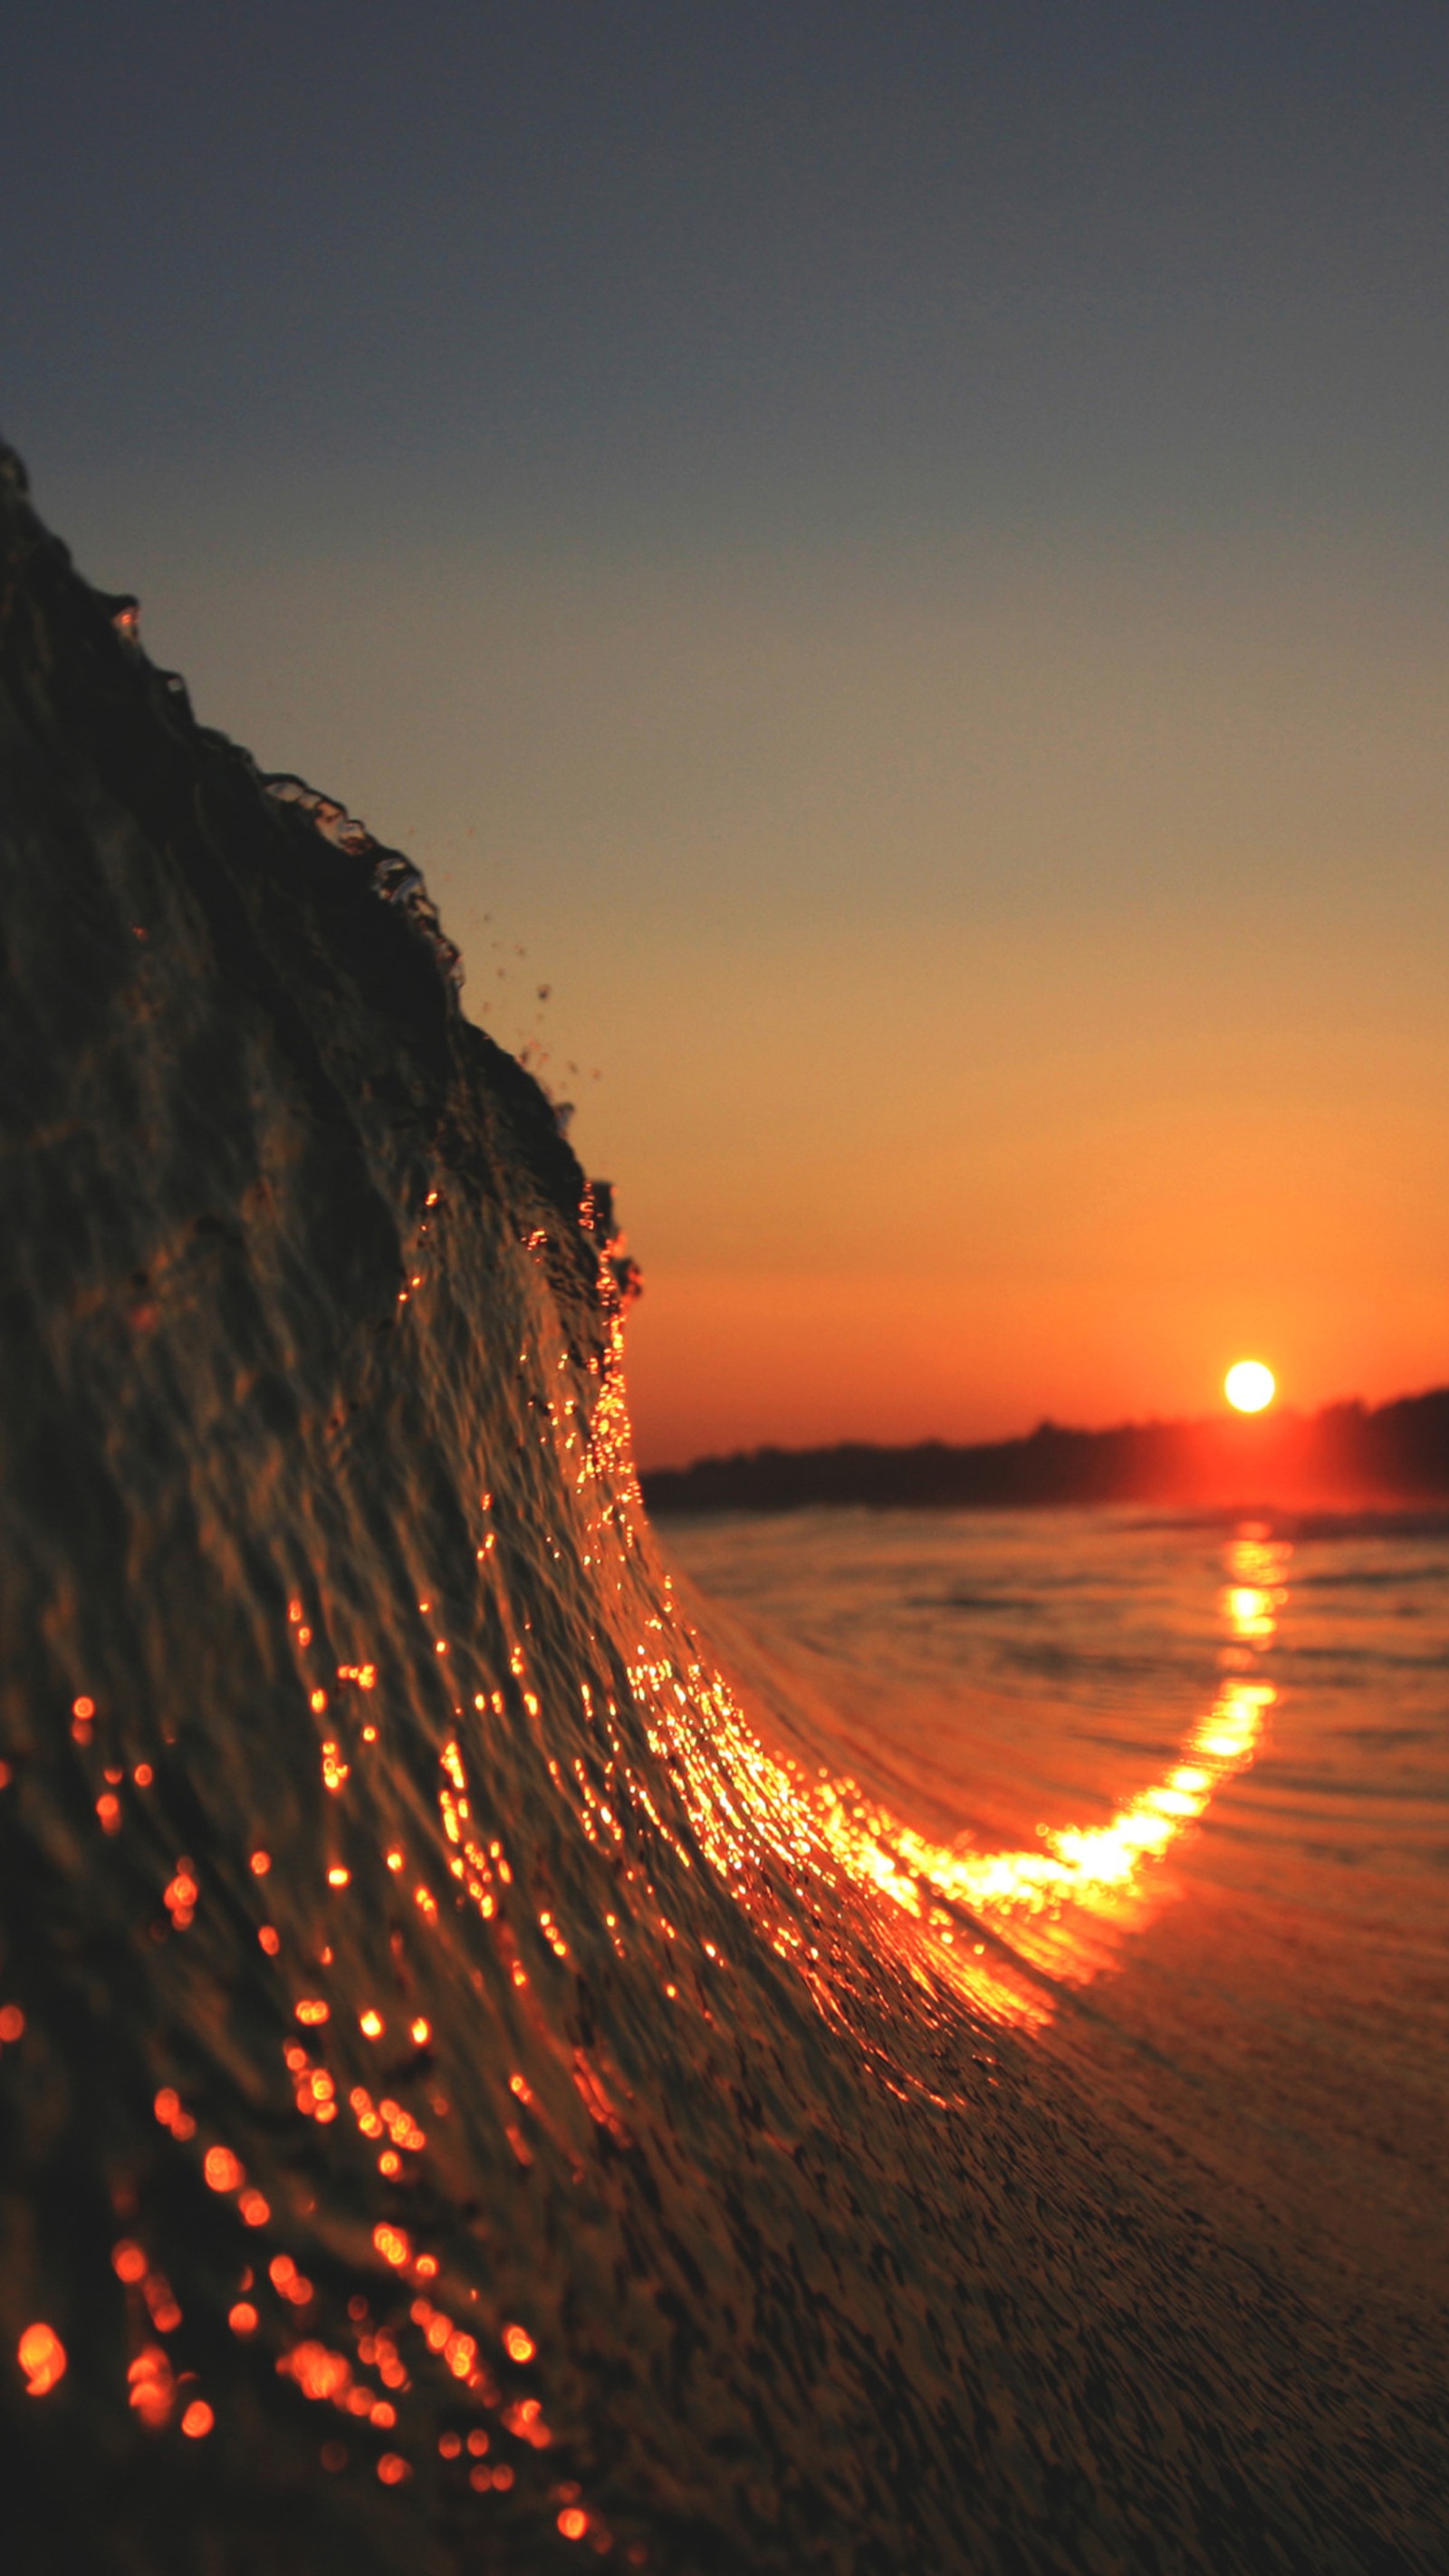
<point>1265,1977</point>
<point>819,2047</point>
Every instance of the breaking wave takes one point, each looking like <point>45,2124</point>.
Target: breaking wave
<point>482,2082</point>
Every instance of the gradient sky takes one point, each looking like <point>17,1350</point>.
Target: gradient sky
<point>894,557</point>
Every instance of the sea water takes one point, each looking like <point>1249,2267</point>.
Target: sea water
<point>920,2057</point>
<point>1269,1991</point>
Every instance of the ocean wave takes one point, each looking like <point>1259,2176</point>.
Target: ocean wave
<point>481,2082</point>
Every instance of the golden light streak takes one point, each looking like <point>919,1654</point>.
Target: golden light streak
<point>1056,1910</point>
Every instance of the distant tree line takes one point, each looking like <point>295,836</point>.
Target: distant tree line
<point>1348,1453</point>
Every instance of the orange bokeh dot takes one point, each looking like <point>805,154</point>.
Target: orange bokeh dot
<point>42,2357</point>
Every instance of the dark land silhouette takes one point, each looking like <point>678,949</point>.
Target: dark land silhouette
<point>1347,1455</point>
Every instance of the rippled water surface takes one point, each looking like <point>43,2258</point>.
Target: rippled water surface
<point>1270,1988</point>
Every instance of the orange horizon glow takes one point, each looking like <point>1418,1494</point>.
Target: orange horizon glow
<point>729,1360</point>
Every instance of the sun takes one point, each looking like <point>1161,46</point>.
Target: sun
<point>1249,1386</point>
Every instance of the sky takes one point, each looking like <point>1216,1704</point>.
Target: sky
<point>891,557</point>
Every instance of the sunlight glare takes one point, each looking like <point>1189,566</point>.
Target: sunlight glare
<point>1249,1386</point>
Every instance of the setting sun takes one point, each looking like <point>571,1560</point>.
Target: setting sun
<point>1249,1386</point>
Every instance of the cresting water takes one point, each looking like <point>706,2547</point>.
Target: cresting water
<point>503,2065</point>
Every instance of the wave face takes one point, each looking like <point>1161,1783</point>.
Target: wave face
<point>480,2084</point>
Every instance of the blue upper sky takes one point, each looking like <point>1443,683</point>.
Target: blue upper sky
<point>775,264</point>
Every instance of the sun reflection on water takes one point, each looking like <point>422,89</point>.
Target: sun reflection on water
<point>1054,1912</point>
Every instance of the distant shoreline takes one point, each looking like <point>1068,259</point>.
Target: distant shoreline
<point>1345,1455</point>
